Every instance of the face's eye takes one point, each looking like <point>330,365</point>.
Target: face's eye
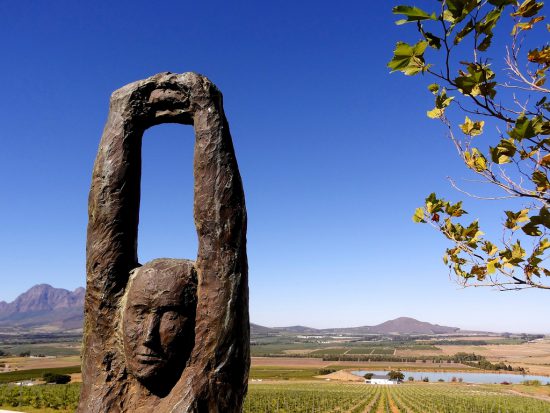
<point>139,313</point>
<point>170,315</point>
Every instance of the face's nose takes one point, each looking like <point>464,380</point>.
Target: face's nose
<point>151,328</point>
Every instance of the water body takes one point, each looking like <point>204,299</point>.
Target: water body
<point>485,378</point>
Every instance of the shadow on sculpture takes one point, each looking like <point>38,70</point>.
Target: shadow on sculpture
<point>170,335</point>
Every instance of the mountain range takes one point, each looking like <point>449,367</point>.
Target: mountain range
<point>44,308</point>
<point>401,325</point>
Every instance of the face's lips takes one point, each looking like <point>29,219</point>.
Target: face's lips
<point>149,357</point>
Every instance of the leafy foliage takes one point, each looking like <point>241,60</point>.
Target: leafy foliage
<point>514,155</point>
<point>56,378</point>
<point>20,375</point>
<point>396,375</point>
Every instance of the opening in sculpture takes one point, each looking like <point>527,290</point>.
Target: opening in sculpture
<point>170,335</point>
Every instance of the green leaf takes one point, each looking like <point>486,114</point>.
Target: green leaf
<point>433,40</point>
<point>434,88</point>
<point>485,43</point>
<point>531,229</point>
<point>442,101</point>
<point>517,251</point>
<point>488,23</point>
<point>503,152</point>
<point>489,248</point>
<point>455,210</point>
<point>544,217</point>
<point>476,80</point>
<point>459,9</point>
<point>514,218</point>
<point>413,14</point>
<point>409,59</point>
<point>541,181</point>
<point>512,257</point>
<point>502,3</point>
<point>544,245</point>
<point>448,17</point>
<point>523,129</point>
<point>464,32</point>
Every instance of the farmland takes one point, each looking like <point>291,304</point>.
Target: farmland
<point>291,377</point>
<point>320,397</point>
<point>359,398</point>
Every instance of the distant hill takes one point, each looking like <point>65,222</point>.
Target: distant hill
<point>258,329</point>
<point>407,325</point>
<point>401,325</point>
<point>44,308</point>
<point>298,330</point>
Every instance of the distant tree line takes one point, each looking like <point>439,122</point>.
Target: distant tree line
<point>388,357</point>
<point>468,359</point>
<point>480,362</point>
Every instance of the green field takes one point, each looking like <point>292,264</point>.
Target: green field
<point>385,351</point>
<point>320,397</point>
<point>328,351</point>
<point>282,373</point>
<point>409,398</point>
<point>361,350</point>
<point>60,397</point>
<point>371,350</point>
<point>46,349</point>
<point>21,375</point>
<point>335,349</point>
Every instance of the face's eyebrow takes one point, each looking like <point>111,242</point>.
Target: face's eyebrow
<point>139,306</point>
<point>172,307</point>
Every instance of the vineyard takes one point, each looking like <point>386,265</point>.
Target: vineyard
<point>54,396</point>
<point>309,397</point>
<point>408,398</point>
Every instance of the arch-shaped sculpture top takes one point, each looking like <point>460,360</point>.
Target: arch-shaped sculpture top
<point>214,378</point>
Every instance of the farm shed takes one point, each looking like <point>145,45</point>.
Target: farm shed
<point>380,379</point>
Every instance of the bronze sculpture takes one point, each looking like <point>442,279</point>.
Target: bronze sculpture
<point>171,335</point>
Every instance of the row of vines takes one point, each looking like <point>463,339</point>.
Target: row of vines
<point>53,396</point>
<point>408,398</point>
<point>323,398</point>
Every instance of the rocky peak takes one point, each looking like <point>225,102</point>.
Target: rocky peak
<point>43,297</point>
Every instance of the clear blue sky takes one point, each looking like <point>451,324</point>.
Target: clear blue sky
<point>335,154</point>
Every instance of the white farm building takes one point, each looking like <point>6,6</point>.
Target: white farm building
<point>380,379</point>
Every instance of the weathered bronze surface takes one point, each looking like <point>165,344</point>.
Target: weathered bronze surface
<point>170,335</point>
<point>158,322</point>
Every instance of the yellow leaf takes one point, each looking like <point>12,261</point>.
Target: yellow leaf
<point>491,265</point>
<point>523,215</point>
<point>472,128</point>
<point>435,113</point>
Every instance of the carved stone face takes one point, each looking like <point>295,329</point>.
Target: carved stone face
<point>158,321</point>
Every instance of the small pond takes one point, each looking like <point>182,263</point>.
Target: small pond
<point>485,378</point>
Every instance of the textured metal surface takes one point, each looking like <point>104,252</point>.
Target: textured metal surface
<point>214,376</point>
